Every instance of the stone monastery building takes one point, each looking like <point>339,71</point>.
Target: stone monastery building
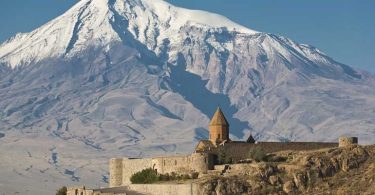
<point>205,155</point>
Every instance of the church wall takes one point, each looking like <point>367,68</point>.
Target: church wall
<point>218,132</point>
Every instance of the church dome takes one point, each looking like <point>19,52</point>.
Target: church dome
<point>219,118</point>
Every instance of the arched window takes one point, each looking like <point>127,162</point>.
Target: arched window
<point>164,162</point>
<point>218,136</point>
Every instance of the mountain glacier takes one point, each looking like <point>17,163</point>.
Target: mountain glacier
<point>142,77</point>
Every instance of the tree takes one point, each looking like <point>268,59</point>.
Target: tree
<point>61,191</point>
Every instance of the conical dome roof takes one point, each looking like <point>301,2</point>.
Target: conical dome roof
<point>250,139</point>
<point>219,118</point>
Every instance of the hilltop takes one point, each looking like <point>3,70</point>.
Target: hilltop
<point>341,171</point>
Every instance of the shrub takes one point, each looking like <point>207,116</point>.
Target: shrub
<point>185,177</point>
<point>164,177</point>
<point>61,191</point>
<point>257,153</point>
<point>222,157</point>
<point>194,175</point>
<point>274,158</point>
<point>145,176</point>
<point>173,176</point>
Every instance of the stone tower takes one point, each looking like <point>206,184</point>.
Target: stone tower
<point>219,128</point>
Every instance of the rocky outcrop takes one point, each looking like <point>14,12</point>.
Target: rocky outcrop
<point>303,173</point>
<point>224,186</point>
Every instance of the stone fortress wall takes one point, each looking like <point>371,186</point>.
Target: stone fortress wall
<point>115,172</point>
<point>240,150</point>
<point>79,191</point>
<point>121,169</point>
<point>348,141</point>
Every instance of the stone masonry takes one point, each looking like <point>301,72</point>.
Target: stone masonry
<point>121,169</point>
<point>347,141</point>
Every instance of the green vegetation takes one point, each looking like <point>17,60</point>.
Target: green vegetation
<point>222,157</point>
<point>61,191</point>
<point>257,153</point>
<point>147,176</point>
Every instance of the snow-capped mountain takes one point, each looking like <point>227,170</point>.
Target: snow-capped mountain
<point>142,77</point>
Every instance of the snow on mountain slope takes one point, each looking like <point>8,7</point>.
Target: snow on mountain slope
<point>88,23</point>
<point>142,77</point>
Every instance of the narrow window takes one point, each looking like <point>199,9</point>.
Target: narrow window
<point>218,136</point>
<point>175,162</point>
<point>164,162</point>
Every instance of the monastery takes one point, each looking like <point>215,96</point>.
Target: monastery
<point>202,160</point>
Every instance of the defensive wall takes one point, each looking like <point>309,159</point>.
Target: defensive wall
<point>138,189</point>
<point>121,169</point>
<point>239,150</point>
<point>81,190</point>
<point>166,189</point>
<point>347,141</point>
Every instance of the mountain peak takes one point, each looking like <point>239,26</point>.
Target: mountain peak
<point>90,23</point>
<point>178,17</point>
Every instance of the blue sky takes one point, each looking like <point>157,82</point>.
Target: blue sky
<point>343,29</point>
